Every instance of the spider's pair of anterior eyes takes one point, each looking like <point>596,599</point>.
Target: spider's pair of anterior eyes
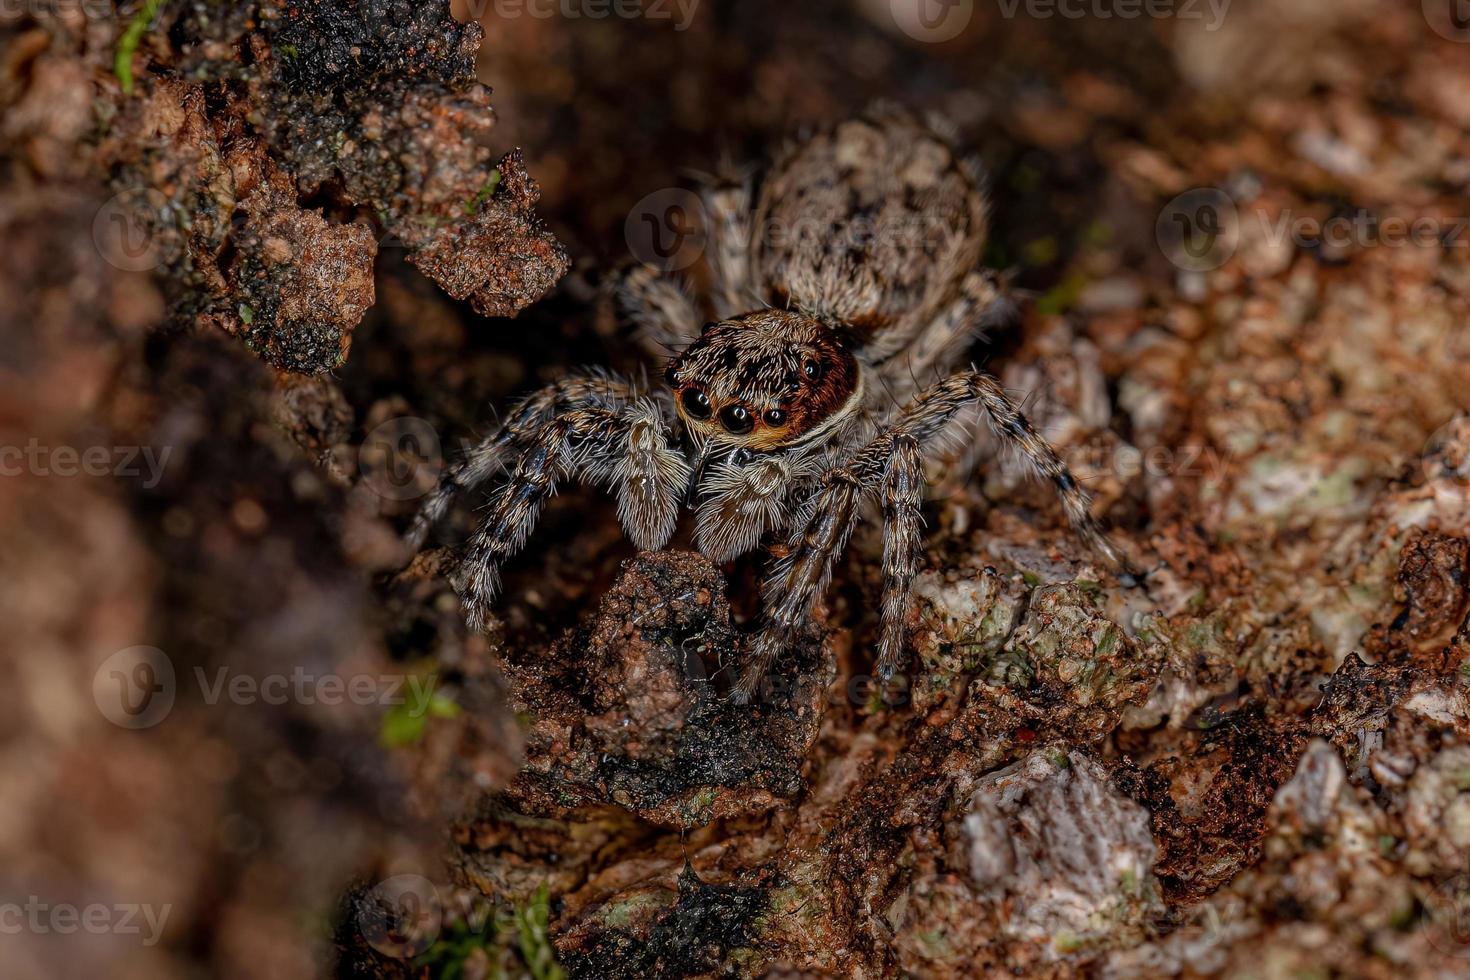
<point>737,419</point>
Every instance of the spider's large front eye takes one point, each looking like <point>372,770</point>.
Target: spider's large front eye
<point>696,403</point>
<point>736,419</point>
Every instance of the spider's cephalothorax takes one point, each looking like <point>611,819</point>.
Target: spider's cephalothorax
<point>765,380</point>
<point>847,278</point>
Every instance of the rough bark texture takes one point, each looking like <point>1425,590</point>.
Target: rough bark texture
<point>1255,767</point>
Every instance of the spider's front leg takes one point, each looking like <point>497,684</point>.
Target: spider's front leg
<point>495,453</point>
<point>626,449</point>
<point>793,586</point>
<point>664,316</point>
<point>609,438</point>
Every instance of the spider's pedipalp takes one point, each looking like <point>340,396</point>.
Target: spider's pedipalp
<point>650,476</point>
<point>739,503</point>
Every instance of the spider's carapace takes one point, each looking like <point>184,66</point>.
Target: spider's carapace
<point>765,380</point>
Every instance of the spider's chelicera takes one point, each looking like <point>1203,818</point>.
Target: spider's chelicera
<point>849,275</point>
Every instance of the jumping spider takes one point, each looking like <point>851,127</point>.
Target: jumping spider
<point>852,275</point>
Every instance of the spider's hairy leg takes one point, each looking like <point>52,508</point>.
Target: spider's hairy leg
<point>903,496</point>
<point>727,207</point>
<point>1016,430</point>
<point>493,454</point>
<point>981,305</point>
<point>625,447</point>
<point>793,586</point>
<point>665,316</point>
<point>507,525</point>
<point>928,414</point>
<point>799,578</point>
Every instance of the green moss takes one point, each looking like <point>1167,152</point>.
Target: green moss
<point>531,929</point>
<point>1040,251</point>
<point>472,206</point>
<point>404,724</point>
<point>127,44</point>
<point>447,957</point>
<point>1061,297</point>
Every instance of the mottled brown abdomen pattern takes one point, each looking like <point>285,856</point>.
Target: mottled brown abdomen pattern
<point>872,223</point>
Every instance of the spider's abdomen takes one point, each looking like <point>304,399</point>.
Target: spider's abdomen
<point>873,223</point>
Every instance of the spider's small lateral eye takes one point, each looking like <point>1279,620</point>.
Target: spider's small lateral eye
<point>775,418</point>
<point>736,419</point>
<point>812,369</point>
<point>696,403</point>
